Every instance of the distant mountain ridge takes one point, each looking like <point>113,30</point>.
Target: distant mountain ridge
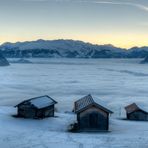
<point>145,61</point>
<point>68,49</point>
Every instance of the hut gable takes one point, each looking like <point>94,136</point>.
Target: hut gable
<point>39,102</point>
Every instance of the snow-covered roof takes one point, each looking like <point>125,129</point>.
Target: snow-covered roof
<point>43,101</point>
<point>40,102</point>
<point>142,106</point>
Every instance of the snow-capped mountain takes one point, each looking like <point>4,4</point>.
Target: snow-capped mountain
<point>69,49</point>
<point>61,48</point>
<point>138,52</point>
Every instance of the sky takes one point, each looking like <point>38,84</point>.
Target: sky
<point>123,23</point>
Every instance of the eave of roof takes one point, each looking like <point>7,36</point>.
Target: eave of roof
<point>94,104</point>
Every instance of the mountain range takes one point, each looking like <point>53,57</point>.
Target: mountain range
<point>68,49</point>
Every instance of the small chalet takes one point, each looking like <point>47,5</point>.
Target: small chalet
<point>134,112</point>
<point>39,107</point>
<point>90,115</point>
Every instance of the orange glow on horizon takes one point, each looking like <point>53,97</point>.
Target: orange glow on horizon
<point>123,41</point>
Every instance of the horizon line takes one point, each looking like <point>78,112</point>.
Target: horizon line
<point>127,48</point>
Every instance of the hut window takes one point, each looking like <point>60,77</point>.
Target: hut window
<point>93,120</point>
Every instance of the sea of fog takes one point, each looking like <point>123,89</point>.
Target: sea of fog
<point>117,82</point>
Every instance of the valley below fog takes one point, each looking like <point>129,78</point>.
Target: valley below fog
<point>117,82</point>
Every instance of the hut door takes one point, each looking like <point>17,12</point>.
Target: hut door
<point>93,120</point>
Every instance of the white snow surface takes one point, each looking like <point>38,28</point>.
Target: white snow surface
<point>117,82</point>
<point>42,101</point>
<point>52,133</point>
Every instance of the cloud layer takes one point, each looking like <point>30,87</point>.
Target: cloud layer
<point>107,2</point>
<point>133,4</point>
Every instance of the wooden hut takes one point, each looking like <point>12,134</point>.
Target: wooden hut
<point>38,107</point>
<point>134,112</point>
<point>90,115</point>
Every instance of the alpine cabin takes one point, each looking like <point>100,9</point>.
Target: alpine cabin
<point>134,112</point>
<point>38,107</point>
<point>90,115</point>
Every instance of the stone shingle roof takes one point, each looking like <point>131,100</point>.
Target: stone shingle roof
<point>85,103</point>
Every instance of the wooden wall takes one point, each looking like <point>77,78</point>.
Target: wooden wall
<point>138,115</point>
<point>28,111</point>
<point>93,119</point>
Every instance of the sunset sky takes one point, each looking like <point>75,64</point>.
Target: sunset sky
<point>123,23</point>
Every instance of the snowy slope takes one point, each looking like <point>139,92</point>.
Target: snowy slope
<point>52,132</point>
